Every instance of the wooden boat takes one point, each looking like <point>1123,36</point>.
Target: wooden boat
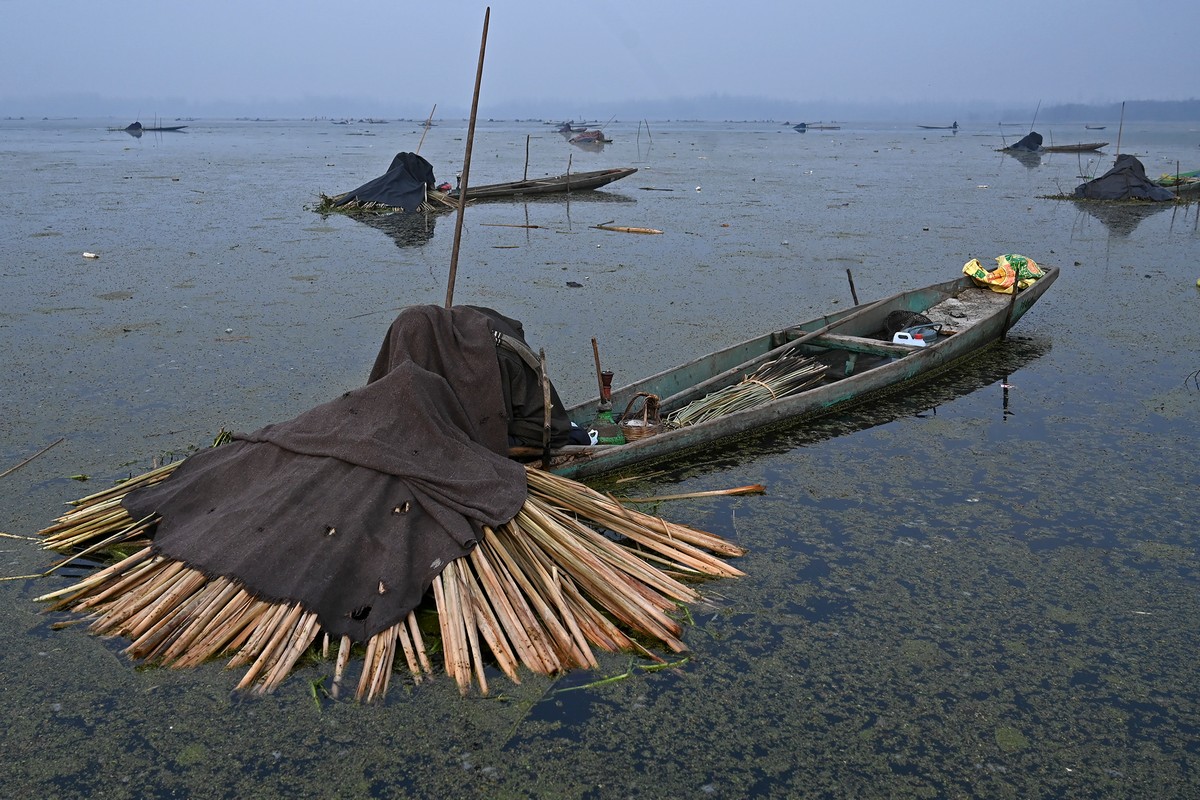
<point>860,359</point>
<point>1185,183</point>
<point>570,182</point>
<point>1086,147</point>
<point>136,129</point>
<point>953,127</point>
<point>590,137</point>
<point>137,126</point>
<point>816,126</point>
<point>1094,127</point>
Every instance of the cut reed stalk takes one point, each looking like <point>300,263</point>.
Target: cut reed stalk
<point>511,610</point>
<point>100,577</point>
<point>364,679</point>
<point>471,621</point>
<point>339,668</point>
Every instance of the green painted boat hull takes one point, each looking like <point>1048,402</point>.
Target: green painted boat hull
<point>683,384</point>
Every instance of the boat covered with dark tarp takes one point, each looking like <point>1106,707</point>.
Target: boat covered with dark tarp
<point>403,187</point>
<point>1125,181</point>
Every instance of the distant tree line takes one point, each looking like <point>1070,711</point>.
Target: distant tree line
<point>1135,111</point>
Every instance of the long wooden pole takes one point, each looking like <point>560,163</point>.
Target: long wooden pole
<point>466,170</point>
<point>1120,128</point>
<point>428,124</point>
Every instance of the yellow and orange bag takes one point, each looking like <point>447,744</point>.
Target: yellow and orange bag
<point>1011,269</point>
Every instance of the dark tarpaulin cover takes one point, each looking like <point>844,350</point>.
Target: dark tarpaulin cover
<point>520,382</point>
<point>1125,181</point>
<point>353,507</point>
<point>1031,143</point>
<point>402,186</point>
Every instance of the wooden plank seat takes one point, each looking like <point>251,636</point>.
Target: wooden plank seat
<point>861,344</point>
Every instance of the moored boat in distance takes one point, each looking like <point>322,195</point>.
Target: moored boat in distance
<point>953,127</point>
<point>590,137</point>
<point>816,126</point>
<point>855,350</point>
<point>137,128</point>
<point>569,182</point>
<point>1084,147</point>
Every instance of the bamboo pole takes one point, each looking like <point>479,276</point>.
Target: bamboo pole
<point>428,125</point>
<point>608,226</point>
<point>466,170</point>
<point>1120,128</point>
<point>13,469</point>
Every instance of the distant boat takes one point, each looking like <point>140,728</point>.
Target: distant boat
<point>571,182</point>
<point>590,137</point>
<point>137,126</point>
<point>1032,143</point>
<point>136,129</point>
<point>1094,127</point>
<point>953,127</point>
<point>1084,147</point>
<point>816,126</point>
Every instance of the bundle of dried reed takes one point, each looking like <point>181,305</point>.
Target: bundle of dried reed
<point>783,376</point>
<point>434,201</point>
<point>540,591</point>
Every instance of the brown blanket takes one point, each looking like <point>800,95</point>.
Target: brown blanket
<point>353,507</point>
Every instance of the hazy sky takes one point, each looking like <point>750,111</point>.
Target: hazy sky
<point>395,55</point>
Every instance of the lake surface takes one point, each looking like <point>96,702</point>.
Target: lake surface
<point>986,587</point>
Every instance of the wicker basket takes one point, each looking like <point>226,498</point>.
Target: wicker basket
<point>638,424</point>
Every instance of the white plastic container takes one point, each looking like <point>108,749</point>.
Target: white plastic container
<point>909,339</point>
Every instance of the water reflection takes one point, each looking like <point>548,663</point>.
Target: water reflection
<point>406,229</point>
<point>991,367</point>
<point>1122,219</point>
<point>1030,159</point>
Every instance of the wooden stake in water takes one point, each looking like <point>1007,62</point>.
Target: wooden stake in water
<point>1120,128</point>
<point>428,125</point>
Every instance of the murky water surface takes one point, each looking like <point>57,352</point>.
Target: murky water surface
<point>987,587</point>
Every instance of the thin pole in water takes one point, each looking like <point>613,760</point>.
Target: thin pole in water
<point>428,125</point>
<point>1120,127</point>
<point>466,170</point>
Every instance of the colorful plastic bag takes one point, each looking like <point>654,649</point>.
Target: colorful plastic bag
<point>1010,269</point>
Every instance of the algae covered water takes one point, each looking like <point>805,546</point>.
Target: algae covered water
<point>986,586</point>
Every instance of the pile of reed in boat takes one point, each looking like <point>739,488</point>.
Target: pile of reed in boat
<point>538,592</point>
<point>785,375</point>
